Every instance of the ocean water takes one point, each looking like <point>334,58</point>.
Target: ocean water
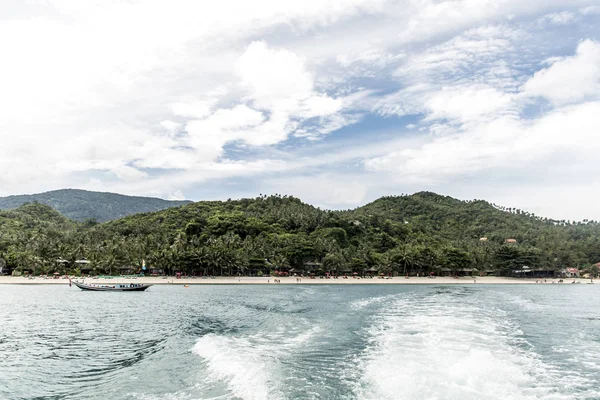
<point>301,342</point>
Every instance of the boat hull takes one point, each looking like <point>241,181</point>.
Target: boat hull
<point>113,288</point>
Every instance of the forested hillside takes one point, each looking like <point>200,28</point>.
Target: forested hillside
<point>412,234</point>
<point>81,205</point>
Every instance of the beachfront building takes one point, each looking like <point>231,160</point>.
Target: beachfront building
<point>82,261</point>
<point>510,241</point>
<point>154,271</point>
<point>84,265</point>
<point>570,273</point>
<point>465,272</point>
<point>127,270</point>
<point>528,272</point>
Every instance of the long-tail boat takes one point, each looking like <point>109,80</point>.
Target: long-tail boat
<point>116,287</point>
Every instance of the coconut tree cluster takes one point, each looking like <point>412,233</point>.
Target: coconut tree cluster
<point>420,234</point>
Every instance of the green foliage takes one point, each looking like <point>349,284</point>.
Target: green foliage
<point>403,235</point>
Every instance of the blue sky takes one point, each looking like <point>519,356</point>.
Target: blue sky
<point>337,103</point>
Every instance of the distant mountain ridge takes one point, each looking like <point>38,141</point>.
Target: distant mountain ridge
<point>82,205</point>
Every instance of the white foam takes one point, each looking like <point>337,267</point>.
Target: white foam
<point>250,365</point>
<point>523,302</point>
<point>450,351</point>
<point>246,369</point>
<point>362,303</point>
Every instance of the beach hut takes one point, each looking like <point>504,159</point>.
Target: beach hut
<point>127,270</point>
<point>154,271</point>
<point>84,265</point>
<point>372,271</point>
<point>61,264</point>
<point>544,272</point>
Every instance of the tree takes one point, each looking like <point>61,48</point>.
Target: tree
<point>455,259</point>
<point>404,258</point>
<point>333,262</point>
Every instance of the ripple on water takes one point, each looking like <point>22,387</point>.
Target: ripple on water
<point>293,342</point>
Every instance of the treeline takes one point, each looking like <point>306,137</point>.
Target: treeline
<point>409,234</point>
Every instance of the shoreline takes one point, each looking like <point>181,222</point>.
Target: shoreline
<point>487,280</point>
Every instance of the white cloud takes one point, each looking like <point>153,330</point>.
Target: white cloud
<point>591,10</point>
<point>170,126</point>
<point>279,82</point>
<point>501,143</point>
<point>192,107</point>
<point>570,79</point>
<point>461,79</point>
<point>559,18</point>
<point>208,136</point>
<point>467,103</point>
<point>274,76</point>
<point>176,195</point>
<point>476,46</point>
<point>280,94</point>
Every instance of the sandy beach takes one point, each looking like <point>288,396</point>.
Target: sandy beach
<point>295,281</point>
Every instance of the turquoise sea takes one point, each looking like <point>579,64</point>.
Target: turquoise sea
<point>301,342</point>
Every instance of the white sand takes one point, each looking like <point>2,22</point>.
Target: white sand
<point>292,281</point>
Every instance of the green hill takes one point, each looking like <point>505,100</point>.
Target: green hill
<point>81,205</point>
<point>419,233</point>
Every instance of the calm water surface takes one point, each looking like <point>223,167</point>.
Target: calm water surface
<point>301,342</point>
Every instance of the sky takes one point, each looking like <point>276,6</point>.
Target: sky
<point>335,102</point>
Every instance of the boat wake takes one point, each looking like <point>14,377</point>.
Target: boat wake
<point>251,366</point>
<point>435,348</point>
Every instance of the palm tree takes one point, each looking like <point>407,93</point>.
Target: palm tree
<point>403,257</point>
